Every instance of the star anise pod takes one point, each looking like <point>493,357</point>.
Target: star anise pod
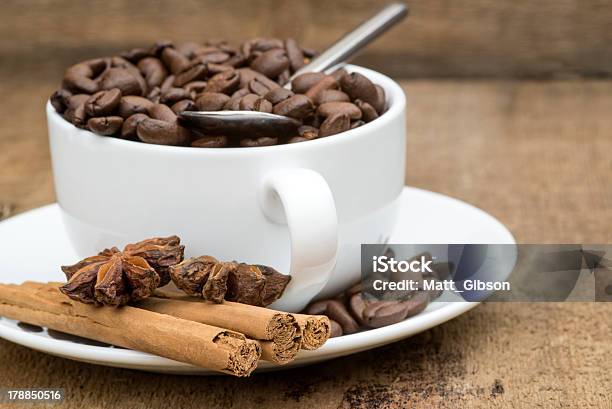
<point>115,278</point>
<point>160,253</point>
<point>274,285</point>
<point>215,281</point>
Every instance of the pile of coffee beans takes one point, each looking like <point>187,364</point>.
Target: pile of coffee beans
<point>355,310</point>
<point>138,94</point>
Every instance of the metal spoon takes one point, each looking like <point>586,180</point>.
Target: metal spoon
<point>233,123</point>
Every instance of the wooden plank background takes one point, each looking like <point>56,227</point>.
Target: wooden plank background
<point>443,38</point>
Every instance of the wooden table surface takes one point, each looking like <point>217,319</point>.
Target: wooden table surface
<point>534,154</point>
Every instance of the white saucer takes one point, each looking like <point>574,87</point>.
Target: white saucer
<point>34,245</point>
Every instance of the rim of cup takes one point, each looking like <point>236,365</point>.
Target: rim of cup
<point>396,102</point>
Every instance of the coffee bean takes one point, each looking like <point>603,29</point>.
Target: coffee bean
<point>335,124</point>
<point>195,87</point>
<point>120,62</point>
<point>75,111</point>
<point>368,112</point>
<point>59,100</point>
<point>131,104</point>
<point>184,105</point>
<point>247,75</point>
<point>167,84</point>
<point>211,101</point>
<point>335,329</point>
<point>354,289</point>
<point>121,78</point>
<point>357,305</point>
<point>160,132</point>
<point>206,49</point>
<point>233,104</point>
<point>317,307</point>
<point>416,304</point>
<point>211,142</point>
<point>153,70</point>
<point>216,57</point>
<point>308,132</point>
<point>358,86</point>
<point>162,112</point>
<point>225,82</point>
<point>283,77</point>
<point>328,82</point>
<point>174,60</point>
<point>297,106</point>
<point>189,48</point>
<point>195,73</point>
<point>278,94</point>
<point>347,108</point>
<point>295,54</point>
<point>245,49</point>
<point>253,102</point>
<point>160,46</point>
<point>241,92</point>
<point>128,129</point>
<point>259,45</point>
<point>302,83</point>
<point>261,141</point>
<point>154,94</point>
<point>382,313</point>
<point>235,61</point>
<point>381,101</point>
<point>106,125</point>
<point>267,82</point>
<point>103,102</point>
<point>81,77</point>
<point>339,73</point>
<point>173,95</point>
<point>217,68</point>
<point>314,121</point>
<point>228,48</point>
<point>338,312</point>
<point>265,44</point>
<point>135,55</point>
<point>331,95</point>
<point>260,88</point>
<point>77,100</point>
<point>123,63</point>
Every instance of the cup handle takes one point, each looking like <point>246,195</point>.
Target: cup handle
<point>302,199</point>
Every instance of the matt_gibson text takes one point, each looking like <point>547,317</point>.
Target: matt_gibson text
<point>440,285</point>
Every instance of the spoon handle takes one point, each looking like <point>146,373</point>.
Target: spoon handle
<point>356,39</point>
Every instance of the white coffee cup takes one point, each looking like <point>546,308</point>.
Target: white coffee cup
<point>301,208</point>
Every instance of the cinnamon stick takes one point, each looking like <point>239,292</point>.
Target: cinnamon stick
<point>174,338</point>
<point>316,330</point>
<point>279,332</point>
